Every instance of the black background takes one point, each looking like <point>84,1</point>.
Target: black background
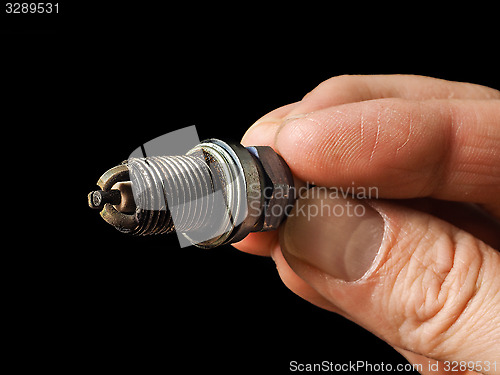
<point>86,88</point>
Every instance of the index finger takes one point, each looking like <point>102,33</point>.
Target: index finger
<point>356,88</point>
<point>445,149</point>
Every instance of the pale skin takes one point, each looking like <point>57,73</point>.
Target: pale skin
<point>432,149</point>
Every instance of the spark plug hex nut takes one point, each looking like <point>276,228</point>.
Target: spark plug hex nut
<point>279,190</point>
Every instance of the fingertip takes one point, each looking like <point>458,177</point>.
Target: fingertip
<point>261,133</point>
<point>298,285</point>
<point>260,243</point>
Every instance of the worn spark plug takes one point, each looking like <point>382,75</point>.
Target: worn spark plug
<point>216,194</point>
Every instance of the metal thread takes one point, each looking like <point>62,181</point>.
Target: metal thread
<point>171,189</point>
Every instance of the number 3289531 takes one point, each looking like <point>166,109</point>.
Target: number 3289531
<point>23,8</point>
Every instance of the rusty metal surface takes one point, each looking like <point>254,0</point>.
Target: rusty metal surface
<point>278,192</point>
<point>97,199</point>
<point>112,176</point>
<point>126,223</point>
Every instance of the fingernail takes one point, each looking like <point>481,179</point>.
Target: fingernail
<point>340,237</point>
<point>291,118</point>
<point>267,124</point>
<point>263,132</point>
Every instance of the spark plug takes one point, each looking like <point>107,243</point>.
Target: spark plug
<point>216,194</point>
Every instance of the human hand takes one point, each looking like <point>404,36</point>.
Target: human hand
<point>419,267</point>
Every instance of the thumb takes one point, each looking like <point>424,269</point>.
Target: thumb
<point>414,280</point>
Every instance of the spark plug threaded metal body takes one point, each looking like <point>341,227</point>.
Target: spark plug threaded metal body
<point>215,194</point>
<point>185,179</point>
